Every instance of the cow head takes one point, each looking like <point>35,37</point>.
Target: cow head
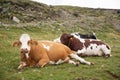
<point>65,38</point>
<point>25,43</point>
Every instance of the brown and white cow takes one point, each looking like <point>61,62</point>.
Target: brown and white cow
<point>40,53</point>
<point>86,47</point>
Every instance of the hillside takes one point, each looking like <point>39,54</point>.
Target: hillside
<point>20,11</point>
<point>26,11</point>
<point>43,22</point>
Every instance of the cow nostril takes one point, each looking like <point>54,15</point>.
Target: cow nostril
<point>24,50</point>
<point>107,55</point>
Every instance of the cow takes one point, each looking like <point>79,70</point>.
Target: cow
<point>79,35</point>
<point>86,47</point>
<point>40,53</point>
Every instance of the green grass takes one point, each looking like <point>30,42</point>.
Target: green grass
<point>104,69</point>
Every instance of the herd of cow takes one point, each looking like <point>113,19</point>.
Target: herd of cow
<point>67,48</point>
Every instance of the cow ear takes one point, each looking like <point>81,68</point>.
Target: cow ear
<point>16,43</point>
<point>33,42</point>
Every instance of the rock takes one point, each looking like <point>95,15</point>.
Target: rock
<point>15,19</point>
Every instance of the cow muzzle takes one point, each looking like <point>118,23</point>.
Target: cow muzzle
<point>24,50</point>
<point>107,55</point>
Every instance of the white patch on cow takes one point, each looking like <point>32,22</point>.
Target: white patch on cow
<point>71,62</point>
<point>82,50</point>
<point>60,61</point>
<point>52,62</point>
<point>78,37</point>
<point>43,64</point>
<point>98,50</point>
<point>105,49</point>
<point>46,47</point>
<point>75,56</point>
<point>82,40</point>
<point>94,40</point>
<point>27,55</point>
<point>91,40</point>
<point>24,40</point>
<point>92,49</point>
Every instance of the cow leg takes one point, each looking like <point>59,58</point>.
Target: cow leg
<point>22,65</point>
<point>62,60</point>
<point>75,56</point>
<point>67,60</point>
<point>73,62</point>
<point>42,62</point>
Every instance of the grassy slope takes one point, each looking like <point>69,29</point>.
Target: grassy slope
<point>68,19</point>
<point>104,69</point>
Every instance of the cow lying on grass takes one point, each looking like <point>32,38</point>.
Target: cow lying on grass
<point>86,47</point>
<point>79,35</point>
<point>41,53</point>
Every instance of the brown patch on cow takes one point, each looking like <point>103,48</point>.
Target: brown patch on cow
<point>23,57</point>
<point>65,38</point>
<point>88,42</point>
<point>97,42</point>
<point>75,44</point>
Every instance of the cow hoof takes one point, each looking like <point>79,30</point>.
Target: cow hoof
<point>77,64</point>
<point>19,69</point>
<point>36,66</point>
<point>92,63</point>
<point>107,56</point>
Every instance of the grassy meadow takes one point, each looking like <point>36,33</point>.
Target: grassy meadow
<point>104,69</point>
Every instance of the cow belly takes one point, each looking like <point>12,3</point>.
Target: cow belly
<point>57,55</point>
<point>93,52</point>
<point>56,52</point>
<point>93,49</point>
